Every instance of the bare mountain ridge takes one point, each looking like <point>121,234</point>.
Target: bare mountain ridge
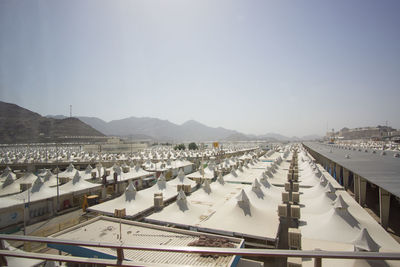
<point>161,130</point>
<point>20,125</point>
<point>164,130</point>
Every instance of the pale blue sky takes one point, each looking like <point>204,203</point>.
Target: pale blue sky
<point>254,66</point>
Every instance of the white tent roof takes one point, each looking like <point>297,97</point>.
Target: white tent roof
<point>49,178</point>
<point>27,178</point>
<point>133,201</point>
<point>7,172</point>
<point>243,214</point>
<point>7,180</point>
<point>38,191</point>
<point>137,202</point>
<point>209,211</point>
<point>134,173</point>
<point>181,179</point>
<point>208,173</point>
<point>68,173</point>
<point>77,184</point>
<point>364,242</point>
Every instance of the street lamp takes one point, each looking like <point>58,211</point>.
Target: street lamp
<point>58,190</point>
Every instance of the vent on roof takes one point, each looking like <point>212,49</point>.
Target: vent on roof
<point>187,188</point>
<point>294,238</point>
<point>296,197</point>
<point>295,211</point>
<point>285,197</point>
<point>158,201</point>
<point>24,186</point>
<point>295,176</point>
<point>282,210</point>
<point>287,187</point>
<point>120,213</point>
<point>295,187</point>
<point>63,180</point>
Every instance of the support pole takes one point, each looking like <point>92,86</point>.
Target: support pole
<point>384,207</point>
<point>363,190</point>
<point>120,255</point>
<point>338,174</point>
<point>317,262</point>
<point>332,169</point>
<point>346,178</point>
<point>356,187</point>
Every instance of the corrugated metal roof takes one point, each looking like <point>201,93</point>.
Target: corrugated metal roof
<point>106,229</point>
<point>381,170</point>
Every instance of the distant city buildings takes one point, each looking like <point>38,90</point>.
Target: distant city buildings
<point>373,133</point>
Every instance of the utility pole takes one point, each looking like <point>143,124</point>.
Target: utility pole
<point>58,190</point>
<point>70,111</point>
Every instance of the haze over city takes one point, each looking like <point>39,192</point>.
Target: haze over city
<point>291,67</point>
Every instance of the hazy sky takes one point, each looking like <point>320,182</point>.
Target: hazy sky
<point>292,67</point>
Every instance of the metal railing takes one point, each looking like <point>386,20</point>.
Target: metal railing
<point>318,255</point>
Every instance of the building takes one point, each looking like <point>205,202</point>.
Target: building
<point>376,133</point>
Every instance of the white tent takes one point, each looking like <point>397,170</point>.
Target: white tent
<point>182,179</point>
<point>49,178</point>
<point>15,187</point>
<point>68,173</point>
<point>208,209</point>
<point>136,202</point>
<point>6,173</point>
<point>247,208</point>
<point>38,191</point>
<point>78,185</point>
<point>202,173</point>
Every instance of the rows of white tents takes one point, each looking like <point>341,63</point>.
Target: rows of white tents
<point>51,154</point>
<point>206,207</point>
<point>42,199</point>
<point>244,203</point>
<point>36,197</point>
<point>332,220</point>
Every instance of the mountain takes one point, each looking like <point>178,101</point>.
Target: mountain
<point>164,130</point>
<point>194,130</point>
<point>20,125</point>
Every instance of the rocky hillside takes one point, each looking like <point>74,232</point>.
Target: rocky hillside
<point>19,125</point>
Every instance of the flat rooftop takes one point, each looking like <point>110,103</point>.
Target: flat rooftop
<point>106,229</point>
<point>381,170</point>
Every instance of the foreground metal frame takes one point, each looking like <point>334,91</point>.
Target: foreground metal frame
<point>265,253</point>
